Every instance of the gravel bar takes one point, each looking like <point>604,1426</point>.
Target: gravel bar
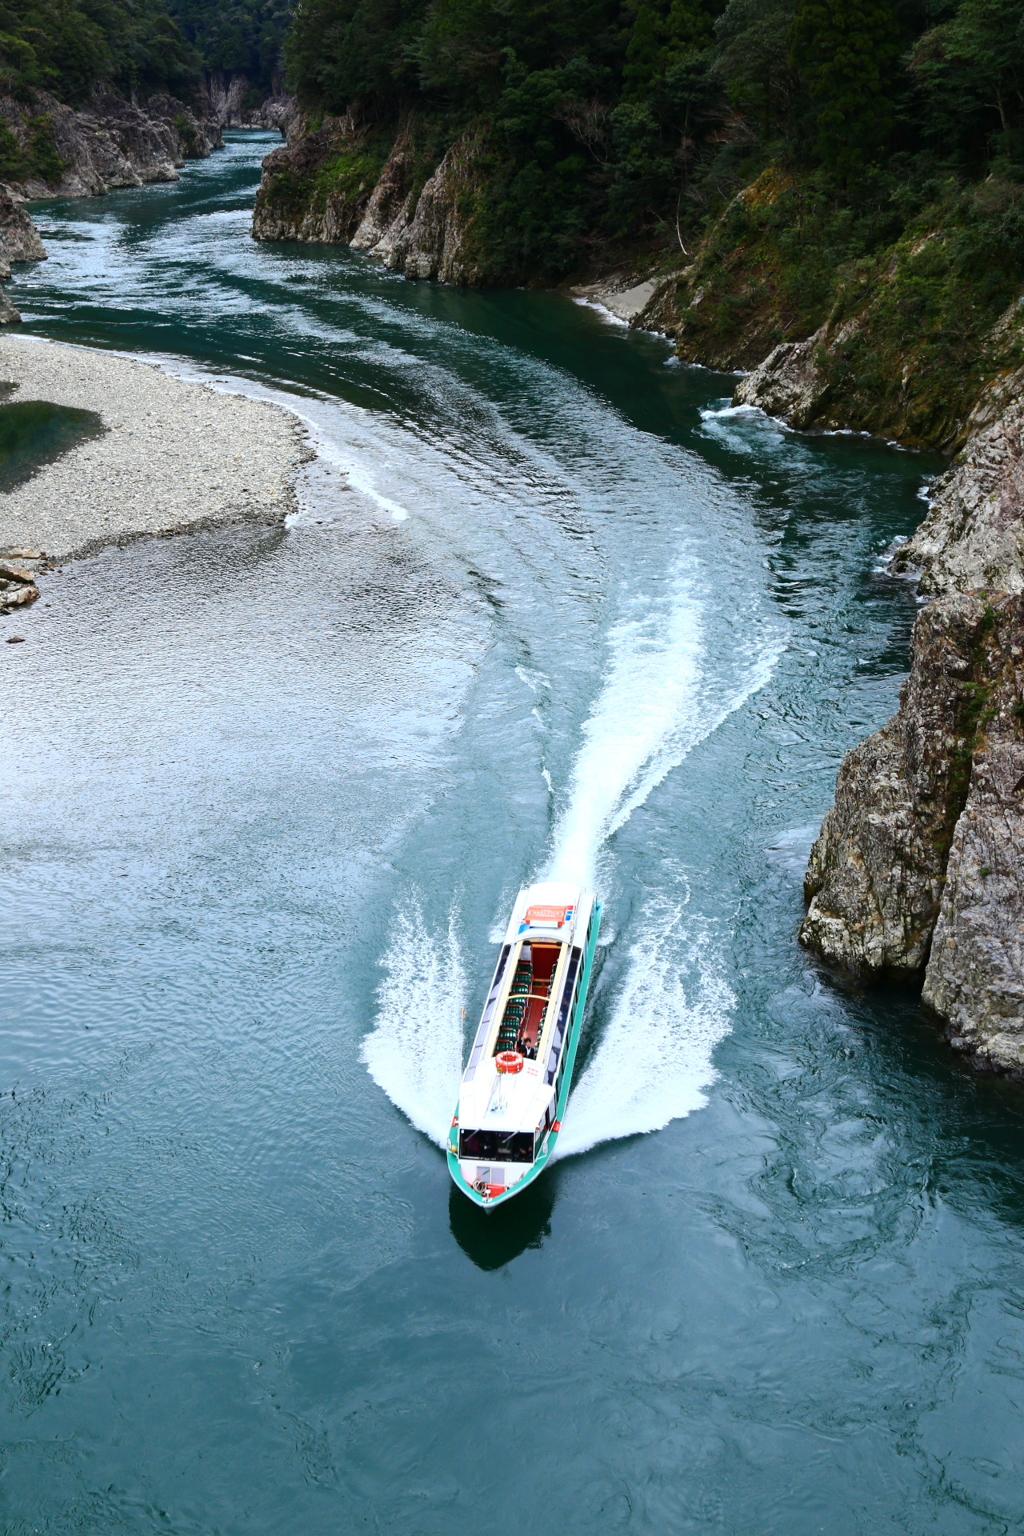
<point>176,455</point>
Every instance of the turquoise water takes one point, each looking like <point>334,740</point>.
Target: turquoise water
<point>267,796</point>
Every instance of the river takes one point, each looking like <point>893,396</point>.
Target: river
<point>549,602</point>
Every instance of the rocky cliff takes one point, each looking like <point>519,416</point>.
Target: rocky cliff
<point>331,186</point>
<point>19,241</point>
<point>904,343</point>
<point>919,865</point>
<point>230,100</point>
<point>54,150</point>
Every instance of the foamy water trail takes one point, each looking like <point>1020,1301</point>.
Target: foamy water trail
<point>654,1060</point>
<point>414,1051</point>
<point>654,707</point>
<point>649,692</point>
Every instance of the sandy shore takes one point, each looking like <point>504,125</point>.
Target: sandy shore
<point>175,456</point>
<point>624,303</point>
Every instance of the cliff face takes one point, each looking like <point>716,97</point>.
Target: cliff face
<point>315,187</point>
<point>920,862</point>
<point>973,535</point>
<point>19,241</point>
<point>69,152</point>
<point>329,187</point>
<point>903,343</point>
<point>228,100</point>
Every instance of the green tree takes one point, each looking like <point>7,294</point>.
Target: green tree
<point>754,59</point>
<point>970,72</point>
<point>844,51</point>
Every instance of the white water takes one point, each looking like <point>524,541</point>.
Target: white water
<point>630,741</point>
<point>655,1056</point>
<point>414,1051</point>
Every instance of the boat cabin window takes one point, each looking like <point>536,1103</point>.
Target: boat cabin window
<point>492,998</point>
<point>497,1146</point>
<point>523,1018</point>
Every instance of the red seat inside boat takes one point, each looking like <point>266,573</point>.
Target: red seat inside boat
<point>528,998</point>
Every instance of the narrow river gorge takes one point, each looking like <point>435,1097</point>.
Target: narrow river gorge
<point>548,599</point>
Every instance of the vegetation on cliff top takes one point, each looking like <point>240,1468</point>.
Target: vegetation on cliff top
<point>622,116</point>
<point>237,35</point>
<point>68,47</point>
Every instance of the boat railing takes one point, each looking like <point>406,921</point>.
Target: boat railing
<point>564,1012</point>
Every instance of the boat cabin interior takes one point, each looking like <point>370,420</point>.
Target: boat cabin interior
<point>528,997</point>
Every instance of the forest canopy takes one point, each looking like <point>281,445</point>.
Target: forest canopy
<point>68,48</point>
<point>243,35</point>
<point>136,47</point>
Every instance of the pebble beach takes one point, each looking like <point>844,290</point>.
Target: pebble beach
<point>175,455</point>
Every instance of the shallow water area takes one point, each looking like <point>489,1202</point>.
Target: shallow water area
<point>35,432</point>
<point>549,604</point>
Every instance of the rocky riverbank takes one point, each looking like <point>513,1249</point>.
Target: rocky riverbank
<point>332,186</point>
<point>60,151</point>
<point>919,866</point>
<point>171,455</point>
<point>918,869</point>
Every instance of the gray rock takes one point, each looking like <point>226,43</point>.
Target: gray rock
<point>19,237</point>
<point>17,591</point>
<point>876,872</point>
<point>293,201</point>
<point>973,535</point>
<point>975,976</point>
<point>423,237</point>
<point>920,863</point>
<point>110,142</point>
<point>433,244</point>
<point>389,209</point>
<point>788,383</point>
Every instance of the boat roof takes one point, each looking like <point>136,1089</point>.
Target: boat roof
<point>547,911</point>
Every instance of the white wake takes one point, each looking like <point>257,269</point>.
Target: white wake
<point>673,1005</point>
<point>637,729</point>
<point>654,1059</point>
<point>414,1051</point>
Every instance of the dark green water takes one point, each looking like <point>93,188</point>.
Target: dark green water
<point>266,796</point>
<point>35,432</point>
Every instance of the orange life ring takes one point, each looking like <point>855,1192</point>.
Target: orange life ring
<point>509,1061</point>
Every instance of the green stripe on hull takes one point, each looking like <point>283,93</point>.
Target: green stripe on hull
<point>575,1029</point>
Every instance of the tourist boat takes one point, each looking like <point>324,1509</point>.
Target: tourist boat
<point>517,1079</point>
